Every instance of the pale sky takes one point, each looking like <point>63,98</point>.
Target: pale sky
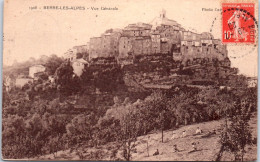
<point>32,33</point>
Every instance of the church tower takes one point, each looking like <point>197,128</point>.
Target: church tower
<point>163,14</point>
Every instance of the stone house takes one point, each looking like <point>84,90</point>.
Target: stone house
<point>142,46</point>
<point>125,47</point>
<point>165,46</point>
<point>138,46</point>
<point>95,47</point>
<point>132,32</point>
<point>109,44</point>
<point>69,55</point>
<point>106,45</point>
<point>156,43</point>
<point>72,53</point>
<point>136,30</point>
<point>147,44</point>
<point>219,48</point>
<point>36,69</point>
<point>78,66</point>
<point>207,45</point>
<point>20,82</point>
<point>170,40</point>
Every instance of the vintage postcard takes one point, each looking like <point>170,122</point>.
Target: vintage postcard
<point>150,80</point>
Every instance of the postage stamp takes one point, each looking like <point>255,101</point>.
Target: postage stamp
<point>238,23</point>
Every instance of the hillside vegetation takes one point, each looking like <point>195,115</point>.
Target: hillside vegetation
<point>208,147</point>
<point>113,108</point>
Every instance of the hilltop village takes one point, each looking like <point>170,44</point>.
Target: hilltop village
<point>161,47</point>
<point>159,51</point>
<point>129,94</point>
<point>160,36</point>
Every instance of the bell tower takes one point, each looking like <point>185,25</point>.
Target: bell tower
<point>163,13</point>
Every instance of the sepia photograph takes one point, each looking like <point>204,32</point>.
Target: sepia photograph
<point>150,80</point>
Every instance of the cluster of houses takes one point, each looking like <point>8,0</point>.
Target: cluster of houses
<point>22,79</point>
<point>160,36</point>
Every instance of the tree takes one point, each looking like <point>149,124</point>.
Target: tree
<point>13,136</point>
<point>80,129</point>
<point>235,137</point>
<point>107,130</point>
<point>129,133</point>
<point>66,83</point>
<point>153,106</point>
<point>52,63</point>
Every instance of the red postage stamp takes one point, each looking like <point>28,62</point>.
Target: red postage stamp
<point>238,23</point>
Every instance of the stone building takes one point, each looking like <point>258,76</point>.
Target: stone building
<point>75,51</point>
<point>138,46</point>
<point>136,30</point>
<point>36,69</point>
<point>142,46</point>
<point>20,82</point>
<point>81,48</point>
<point>156,43</point>
<point>164,46</point>
<point>206,45</point>
<point>68,55</point>
<point>106,45</point>
<point>146,45</point>
<point>95,47</point>
<point>189,44</point>
<point>170,38</point>
<point>109,44</point>
<point>78,66</point>
<point>196,45</point>
<point>219,48</point>
<point>125,47</point>
<point>162,20</point>
<point>135,40</point>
